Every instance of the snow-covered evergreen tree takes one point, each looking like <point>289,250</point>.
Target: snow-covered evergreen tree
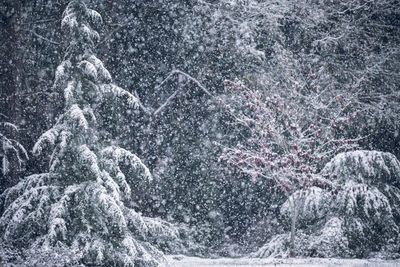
<point>76,213</point>
<point>360,217</point>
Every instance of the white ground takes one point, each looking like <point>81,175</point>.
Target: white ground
<point>183,261</point>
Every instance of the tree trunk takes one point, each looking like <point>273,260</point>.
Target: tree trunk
<point>293,228</point>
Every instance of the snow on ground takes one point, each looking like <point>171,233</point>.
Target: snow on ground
<point>183,261</point>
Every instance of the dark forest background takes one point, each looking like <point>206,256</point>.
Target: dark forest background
<point>346,47</point>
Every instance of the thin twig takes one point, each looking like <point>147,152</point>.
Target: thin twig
<point>146,110</point>
<point>44,38</point>
<point>172,73</point>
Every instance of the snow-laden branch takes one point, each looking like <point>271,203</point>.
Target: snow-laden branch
<point>174,72</point>
<point>10,149</point>
<point>139,102</point>
<point>169,99</point>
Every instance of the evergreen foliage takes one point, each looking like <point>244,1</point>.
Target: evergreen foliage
<point>359,217</point>
<point>13,155</point>
<point>11,148</point>
<point>79,204</point>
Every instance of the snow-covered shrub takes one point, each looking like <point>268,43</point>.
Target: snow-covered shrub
<point>77,212</point>
<point>277,246</point>
<point>357,217</point>
<point>367,199</point>
<point>315,204</point>
<point>58,257</point>
<point>328,241</point>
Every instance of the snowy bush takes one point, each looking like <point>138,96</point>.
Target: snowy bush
<point>315,204</point>
<point>359,217</point>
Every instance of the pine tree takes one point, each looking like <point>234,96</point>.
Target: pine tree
<point>75,213</point>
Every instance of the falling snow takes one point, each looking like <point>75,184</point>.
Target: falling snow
<point>199,133</point>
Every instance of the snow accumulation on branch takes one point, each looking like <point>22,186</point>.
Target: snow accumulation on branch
<point>9,125</point>
<point>169,99</point>
<point>358,217</point>
<point>121,156</point>
<point>173,95</point>
<point>10,148</point>
<point>363,164</point>
<point>174,72</point>
<point>120,94</point>
<point>145,109</point>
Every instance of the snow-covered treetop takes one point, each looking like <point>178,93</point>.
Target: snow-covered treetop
<point>86,86</point>
<point>76,22</point>
<point>364,166</point>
